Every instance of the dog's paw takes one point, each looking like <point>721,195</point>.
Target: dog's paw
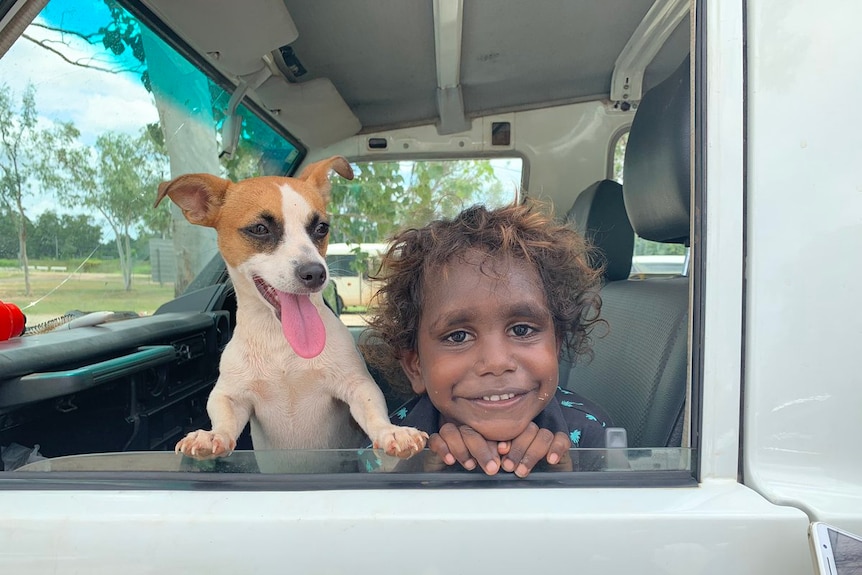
<point>400,441</point>
<point>203,444</point>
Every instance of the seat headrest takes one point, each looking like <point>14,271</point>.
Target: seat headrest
<point>657,166</point>
<point>600,215</point>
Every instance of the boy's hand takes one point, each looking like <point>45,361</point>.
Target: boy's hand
<point>521,454</point>
<point>464,445</point>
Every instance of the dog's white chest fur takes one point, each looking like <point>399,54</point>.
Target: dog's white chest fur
<point>293,401</point>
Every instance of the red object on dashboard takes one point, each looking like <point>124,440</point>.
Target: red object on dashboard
<point>11,321</point>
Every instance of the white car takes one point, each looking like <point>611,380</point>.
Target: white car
<point>733,379</point>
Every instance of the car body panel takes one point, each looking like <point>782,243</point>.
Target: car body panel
<point>718,527</point>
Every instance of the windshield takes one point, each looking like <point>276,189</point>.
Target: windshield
<point>95,110</point>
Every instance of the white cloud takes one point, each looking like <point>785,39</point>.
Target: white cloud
<point>95,101</point>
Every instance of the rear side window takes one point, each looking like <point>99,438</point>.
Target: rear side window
<point>385,196</point>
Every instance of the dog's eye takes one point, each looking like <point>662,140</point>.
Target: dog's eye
<point>258,230</point>
<point>321,229</point>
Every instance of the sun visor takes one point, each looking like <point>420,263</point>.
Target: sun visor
<point>312,111</point>
<point>239,37</point>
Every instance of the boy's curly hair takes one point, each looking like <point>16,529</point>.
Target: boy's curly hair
<point>560,255</point>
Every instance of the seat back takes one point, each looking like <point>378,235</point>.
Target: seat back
<point>639,364</point>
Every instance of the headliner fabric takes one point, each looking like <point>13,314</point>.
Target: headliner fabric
<point>599,213</point>
<point>657,167</point>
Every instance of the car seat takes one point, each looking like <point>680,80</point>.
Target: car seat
<point>639,364</point>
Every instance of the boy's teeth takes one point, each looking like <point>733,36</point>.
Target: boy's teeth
<point>498,397</point>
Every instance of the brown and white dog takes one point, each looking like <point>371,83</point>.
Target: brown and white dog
<point>291,367</point>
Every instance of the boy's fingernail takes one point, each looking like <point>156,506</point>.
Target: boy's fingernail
<point>553,459</point>
<point>522,471</point>
<point>492,468</point>
<point>470,465</point>
<point>508,465</point>
<point>449,459</point>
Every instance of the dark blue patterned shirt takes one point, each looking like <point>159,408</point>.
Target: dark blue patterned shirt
<point>582,420</point>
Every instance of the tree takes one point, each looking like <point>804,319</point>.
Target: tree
<point>120,33</point>
<point>442,189</point>
<point>385,196</point>
<point>364,209</point>
<point>64,236</point>
<point>45,236</point>
<point>8,233</point>
<point>156,222</point>
<point>24,160</point>
<point>117,180</point>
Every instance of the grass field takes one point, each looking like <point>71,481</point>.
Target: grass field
<point>81,291</point>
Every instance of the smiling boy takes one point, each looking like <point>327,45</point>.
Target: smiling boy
<point>474,313</point>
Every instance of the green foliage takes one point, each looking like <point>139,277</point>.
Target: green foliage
<point>647,248</point>
<point>9,234</point>
<point>116,179</point>
<point>25,158</point>
<point>63,236</point>
<point>124,31</point>
<point>386,196</point>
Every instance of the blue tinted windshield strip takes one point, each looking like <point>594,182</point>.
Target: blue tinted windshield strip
<point>148,18</point>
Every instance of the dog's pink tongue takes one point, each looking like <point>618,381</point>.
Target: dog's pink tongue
<point>302,325</point>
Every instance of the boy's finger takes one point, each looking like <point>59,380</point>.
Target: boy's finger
<point>535,452</point>
<point>518,447</point>
<point>456,447</point>
<point>482,450</point>
<point>439,447</point>
<point>558,453</point>
<point>432,461</point>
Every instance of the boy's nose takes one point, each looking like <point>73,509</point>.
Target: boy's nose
<point>495,358</point>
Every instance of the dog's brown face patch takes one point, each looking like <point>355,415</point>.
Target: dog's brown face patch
<point>255,217</point>
<point>258,214</point>
<point>251,220</point>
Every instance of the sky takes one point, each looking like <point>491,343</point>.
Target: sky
<point>93,100</point>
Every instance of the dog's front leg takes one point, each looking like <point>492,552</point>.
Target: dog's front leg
<point>368,408</point>
<point>228,417</point>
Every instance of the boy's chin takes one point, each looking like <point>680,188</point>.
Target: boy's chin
<point>500,430</point>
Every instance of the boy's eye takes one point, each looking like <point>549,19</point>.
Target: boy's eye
<point>522,330</point>
<point>459,336</point>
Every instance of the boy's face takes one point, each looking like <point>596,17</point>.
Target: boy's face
<point>486,347</point>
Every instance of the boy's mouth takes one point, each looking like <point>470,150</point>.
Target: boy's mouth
<point>500,397</point>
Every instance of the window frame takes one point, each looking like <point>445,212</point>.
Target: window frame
<point>245,482</point>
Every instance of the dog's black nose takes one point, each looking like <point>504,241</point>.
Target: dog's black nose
<point>312,275</point>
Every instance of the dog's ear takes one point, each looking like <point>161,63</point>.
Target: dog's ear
<point>317,173</point>
<point>199,196</point>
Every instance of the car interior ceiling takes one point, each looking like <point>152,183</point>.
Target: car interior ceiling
<point>378,58</point>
